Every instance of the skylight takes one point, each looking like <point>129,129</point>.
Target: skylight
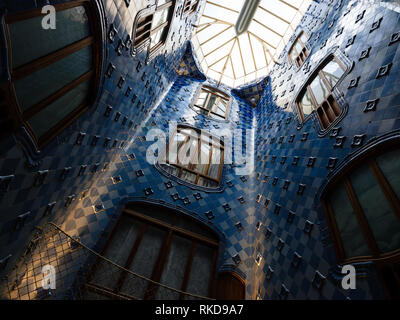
<point>237,43</point>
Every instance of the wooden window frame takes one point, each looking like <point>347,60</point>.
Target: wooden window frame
<point>329,110</point>
<point>93,40</point>
<point>220,96</point>
<point>145,38</point>
<point>190,166</point>
<point>392,199</point>
<point>159,265</point>
<point>300,57</point>
<point>190,6</point>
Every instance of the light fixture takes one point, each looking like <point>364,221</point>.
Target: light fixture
<point>246,15</point>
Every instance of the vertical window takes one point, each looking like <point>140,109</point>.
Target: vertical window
<point>212,103</point>
<point>363,211</point>
<point>195,157</point>
<point>154,25</point>
<point>54,72</point>
<point>317,95</point>
<point>190,6</point>
<point>159,244</point>
<point>298,52</point>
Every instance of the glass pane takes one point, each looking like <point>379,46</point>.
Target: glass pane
<point>211,102</point>
<point>156,38</point>
<point>161,2</point>
<point>188,151</point>
<point>203,158</point>
<point>29,41</point>
<point>201,275</point>
<point>353,240</point>
<point>303,38</point>
<point>333,72</point>
<point>306,104</point>
<point>221,110</point>
<point>170,169</point>
<point>59,109</point>
<point>41,84</point>
<point>144,261</point>
<point>204,182</point>
<point>160,17</point>
<point>390,166</point>
<point>298,47</point>
<point>174,268</point>
<point>174,146</point>
<point>383,222</point>
<point>319,90</point>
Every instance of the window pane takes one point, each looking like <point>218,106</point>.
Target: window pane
<point>353,240</point>
<point>211,102</point>
<point>161,2</point>
<point>215,163</point>
<point>298,47</point>
<point>29,41</point>
<point>203,158</point>
<point>221,110</point>
<point>303,38</point>
<point>156,38</point>
<point>188,151</point>
<point>204,182</point>
<point>41,84</point>
<point>319,90</point>
<point>174,146</point>
<point>160,17</point>
<point>144,261</point>
<point>306,104</point>
<point>390,166</point>
<point>333,72</point>
<point>384,224</point>
<point>188,176</point>
<point>174,268</point>
<point>201,273</point>
<point>59,109</point>
<point>118,251</point>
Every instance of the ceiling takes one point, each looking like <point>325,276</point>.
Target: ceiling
<point>238,60</point>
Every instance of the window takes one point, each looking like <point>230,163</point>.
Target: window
<point>54,73</point>
<point>212,103</point>
<point>363,211</point>
<point>190,6</point>
<point>298,52</point>
<point>160,244</point>
<point>195,157</point>
<point>153,26</point>
<point>317,95</point>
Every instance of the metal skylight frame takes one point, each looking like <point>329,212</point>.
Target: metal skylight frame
<point>258,45</point>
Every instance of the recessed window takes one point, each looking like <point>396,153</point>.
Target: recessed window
<point>153,25</point>
<point>212,103</point>
<point>195,157</point>
<point>160,244</point>
<point>317,95</point>
<point>190,6</point>
<point>298,52</point>
<point>54,73</point>
<point>363,210</point>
